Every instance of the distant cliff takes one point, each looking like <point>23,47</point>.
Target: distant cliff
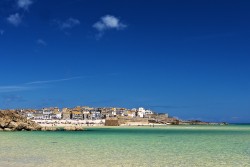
<point>12,121</point>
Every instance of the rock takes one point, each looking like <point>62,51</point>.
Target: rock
<point>73,128</point>
<point>12,121</point>
<point>21,126</point>
<point>77,128</point>
<point>69,128</point>
<point>3,122</point>
<point>12,125</point>
<point>49,129</point>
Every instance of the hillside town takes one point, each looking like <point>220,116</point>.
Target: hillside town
<point>101,116</point>
<point>77,118</point>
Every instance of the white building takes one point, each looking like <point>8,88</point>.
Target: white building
<point>47,113</point>
<point>58,115</point>
<point>30,115</point>
<point>142,112</point>
<point>148,112</point>
<point>114,112</point>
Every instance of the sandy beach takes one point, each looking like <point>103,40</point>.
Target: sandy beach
<point>69,123</point>
<point>87,123</point>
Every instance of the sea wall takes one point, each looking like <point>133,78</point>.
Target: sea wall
<point>112,122</point>
<point>117,121</point>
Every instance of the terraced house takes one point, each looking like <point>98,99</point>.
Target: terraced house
<point>86,113</point>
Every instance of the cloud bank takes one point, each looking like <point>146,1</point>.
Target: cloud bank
<point>70,23</point>
<point>52,81</point>
<point>67,24</point>
<point>31,85</point>
<point>12,98</point>
<point>1,32</point>
<point>109,22</point>
<point>14,19</point>
<point>4,89</point>
<point>41,42</point>
<point>24,4</point>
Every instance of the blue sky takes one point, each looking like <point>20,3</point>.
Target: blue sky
<point>189,59</point>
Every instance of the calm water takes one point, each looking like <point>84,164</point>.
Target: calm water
<point>141,146</point>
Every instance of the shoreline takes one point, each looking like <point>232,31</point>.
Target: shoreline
<point>88,123</point>
<point>78,125</point>
<point>64,123</point>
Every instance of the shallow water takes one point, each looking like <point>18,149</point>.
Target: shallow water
<point>129,146</point>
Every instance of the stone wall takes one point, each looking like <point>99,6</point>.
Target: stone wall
<point>112,122</point>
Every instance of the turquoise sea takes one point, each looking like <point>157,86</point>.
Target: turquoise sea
<point>171,146</point>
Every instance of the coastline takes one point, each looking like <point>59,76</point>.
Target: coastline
<point>53,125</point>
<point>79,125</point>
<point>67,125</point>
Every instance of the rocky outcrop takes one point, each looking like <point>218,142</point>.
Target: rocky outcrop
<point>73,128</point>
<point>12,121</point>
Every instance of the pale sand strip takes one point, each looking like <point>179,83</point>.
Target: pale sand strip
<point>69,123</point>
<point>87,123</point>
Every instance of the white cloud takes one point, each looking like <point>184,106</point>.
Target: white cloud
<point>67,24</point>
<point>41,42</point>
<point>4,89</point>
<point>24,4</point>
<point>109,22</point>
<point>52,81</point>
<point>15,19</point>
<point>31,85</point>
<point>1,32</point>
<point>12,98</point>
